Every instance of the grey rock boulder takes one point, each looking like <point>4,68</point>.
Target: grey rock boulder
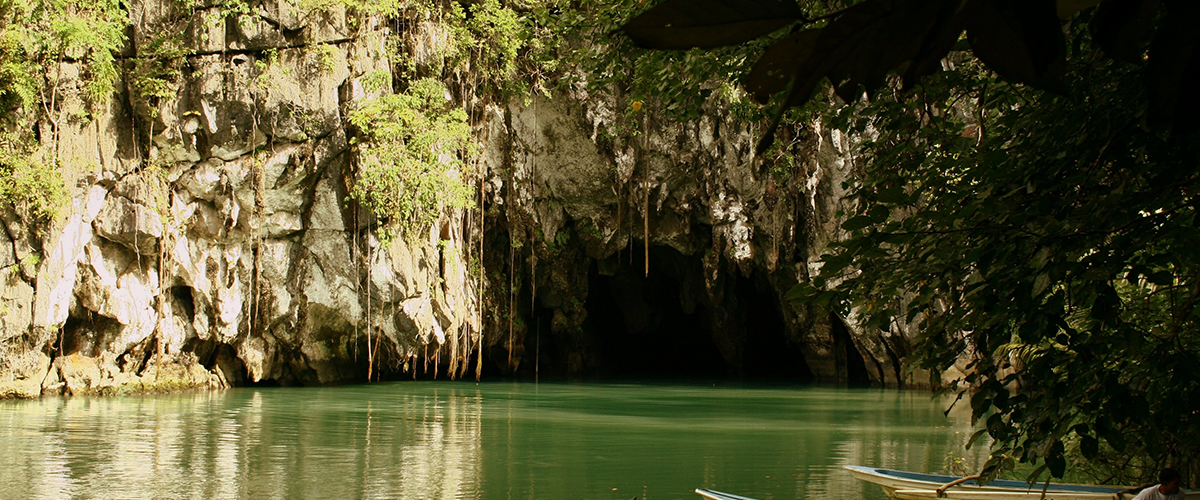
<point>136,226</point>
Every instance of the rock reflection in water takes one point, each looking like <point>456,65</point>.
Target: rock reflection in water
<point>315,443</point>
<point>444,440</point>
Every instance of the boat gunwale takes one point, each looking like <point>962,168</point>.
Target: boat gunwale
<point>720,495</point>
<point>976,494</point>
<point>923,481</point>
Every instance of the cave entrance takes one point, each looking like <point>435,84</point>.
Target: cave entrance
<point>656,325</point>
<point>767,354</point>
<point>663,325</point>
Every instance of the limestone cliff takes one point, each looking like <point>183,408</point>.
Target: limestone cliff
<point>211,240</point>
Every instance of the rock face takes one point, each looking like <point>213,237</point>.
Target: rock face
<point>211,242</point>
<point>603,229</point>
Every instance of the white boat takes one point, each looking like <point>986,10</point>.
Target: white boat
<point>952,494</point>
<point>717,495</point>
<point>894,480</point>
<point>903,485</point>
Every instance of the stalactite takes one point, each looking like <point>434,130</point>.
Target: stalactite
<point>370,351</point>
<point>646,195</point>
<point>532,234</point>
<point>375,352</point>
<point>537,352</point>
<point>646,222</point>
<point>258,182</point>
<point>632,194</point>
<point>355,257</point>
<point>162,298</point>
<point>480,287</point>
<point>452,367</point>
<point>620,216</point>
<point>532,277</point>
<point>511,293</point>
<point>260,203</point>
<point>466,364</point>
<point>458,355</point>
<point>771,199</point>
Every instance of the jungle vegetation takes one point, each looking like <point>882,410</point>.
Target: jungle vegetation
<point>1026,199</point>
<point>1026,204</point>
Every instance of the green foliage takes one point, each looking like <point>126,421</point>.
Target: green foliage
<point>673,85</point>
<point>411,157</point>
<point>1053,239</point>
<point>36,38</point>
<point>496,34</point>
<point>35,190</point>
<point>29,263</point>
<point>385,8</point>
<point>325,54</point>
<point>157,70</point>
<point>37,35</point>
<point>855,47</point>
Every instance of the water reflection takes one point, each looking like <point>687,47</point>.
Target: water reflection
<point>460,440</point>
<point>285,443</point>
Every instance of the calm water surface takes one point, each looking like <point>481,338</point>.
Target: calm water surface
<point>433,440</point>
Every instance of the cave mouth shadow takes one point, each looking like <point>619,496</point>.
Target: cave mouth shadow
<point>768,354</point>
<point>661,326</point>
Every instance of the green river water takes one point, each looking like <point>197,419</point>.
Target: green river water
<point>434,440</point>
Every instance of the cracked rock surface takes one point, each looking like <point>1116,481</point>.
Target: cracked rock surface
<point>210,243</point>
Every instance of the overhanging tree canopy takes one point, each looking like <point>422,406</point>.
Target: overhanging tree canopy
<point>856,47</point>
<point>1041,218</point>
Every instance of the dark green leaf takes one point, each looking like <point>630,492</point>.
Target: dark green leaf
<point>878,214</point>
<point>1068,8</point>
<point>1089,447</point>
<point>857,49</point>
<point>1121,27</point>
<point>1162,278</point>
<point>1055,460</point>
<point>856,223</point>
<point>685,24</point>
<point>975,437</point>
<point>946,31</point>
<point>1019,39</point>
<point>1107,304</point>
<point>780,63</point>
<point>980,403</point>
<point>1174,69</point>
<point>892,195</point>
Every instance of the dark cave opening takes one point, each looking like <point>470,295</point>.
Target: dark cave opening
<point>850,358</point>
<point>768,354</point>
<point>653,326</point>
<point>183,296</point>
<point>663,325</point>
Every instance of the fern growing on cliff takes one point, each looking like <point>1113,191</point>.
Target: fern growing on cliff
<point>35,189</point>
<point>410,157</point>
<point>38,42</point>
